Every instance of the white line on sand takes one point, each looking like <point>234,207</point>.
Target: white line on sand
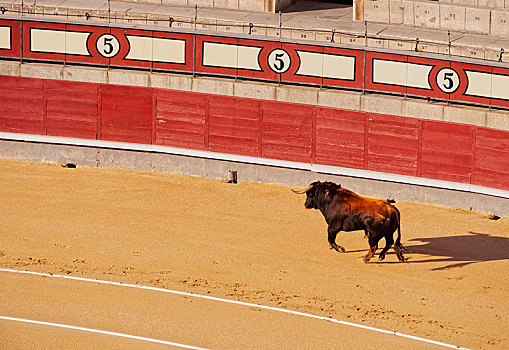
<point>116,334</point>
<point>264,307</point>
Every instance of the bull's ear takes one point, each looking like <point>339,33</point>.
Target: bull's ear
<point>339,185</point>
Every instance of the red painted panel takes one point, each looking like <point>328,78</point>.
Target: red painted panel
<point>15,46</point>
<point>27,49</point>
<point>22,107</point>
<point>266,48</point>
<point>340,137</point>
<point>121,35</point>
<point>292,74</point>
<point>201,40</point>
<point>126,114</point>
<point>95,33</point>
<point>447,151</point>
<point>492,158</point>
<point>180,119</point>
<point>437,66</point>
<point>71,109</point>
<point>392,144</point>
<point>287,131</point>
<point>459,94</point>
<point>234,125</point>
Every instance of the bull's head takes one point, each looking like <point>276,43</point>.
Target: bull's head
<point>310,193</point>
<point>317,193</point>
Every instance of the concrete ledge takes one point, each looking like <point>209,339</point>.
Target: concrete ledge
<point>207,85</point>
<point>263,91</point>
<point>128,77</point>
<point>471,115</point>
<point>218,168</point>
<point>297,94</point>
<point>339,99</point>
<point>96,75</point>
<point>41,71</point>
<point>383,104</point>
<point>171,81</point>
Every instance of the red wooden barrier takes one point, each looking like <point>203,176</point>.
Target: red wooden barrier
<point>491,158</point>
<point>22,105</point>
<point>71,109</point>
<point>234,125</point>
<point>126,114</point>
<point>180,119</point>
<point>287,130</point>
<point>447,151</point>
<point>270,129</point>
<point>340,138</point>
<point>392,144</point>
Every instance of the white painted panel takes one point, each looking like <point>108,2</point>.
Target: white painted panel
<point>156,49</point>
<point>169,50</point>
<point>5,38</point>
<point>76,43</point>
<point>43,40</point>
<point>389,72</point>
<point>338,67</point>
<point>479,84</point>
<point>311,63</point>
<point>418,75</point>
<point>248,57</point>
<point>401,73</point>
<point>140,48</point>
<point>326,65</point>
<point>220,55</point>
<point>59,41</point>
<point>500,86</point>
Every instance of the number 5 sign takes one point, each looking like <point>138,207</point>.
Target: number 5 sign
<point>448,80</point>
<point>108,45</point>
<point>279,61</point>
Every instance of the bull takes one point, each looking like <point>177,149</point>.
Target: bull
<point>345,210</point>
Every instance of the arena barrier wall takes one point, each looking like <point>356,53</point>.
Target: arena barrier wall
<point>298,133</point>
<point>439,77</point>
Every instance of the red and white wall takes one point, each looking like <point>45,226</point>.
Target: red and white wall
<point>439,77</point>
<point>387,144</point>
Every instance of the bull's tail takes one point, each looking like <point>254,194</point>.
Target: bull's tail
<point>398,247</point>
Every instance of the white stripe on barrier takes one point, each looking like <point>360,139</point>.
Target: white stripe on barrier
<point>98,331</point>
<point>236,302</point>
<point>325,169</point>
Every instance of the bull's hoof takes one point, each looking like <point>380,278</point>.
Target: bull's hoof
<point>366,259</point>
<point>381,257</point>
<point>337,248</point>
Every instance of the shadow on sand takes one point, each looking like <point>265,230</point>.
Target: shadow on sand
<point>455,251</point>
<point>458,251</point>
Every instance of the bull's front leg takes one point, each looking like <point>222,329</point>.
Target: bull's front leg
<point>332,233</point>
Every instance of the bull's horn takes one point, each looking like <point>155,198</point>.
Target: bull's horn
<point>302,192</point>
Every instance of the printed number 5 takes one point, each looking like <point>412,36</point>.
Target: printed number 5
<point>448,80</point>
<point>279,60</point>
<point>108,45</point>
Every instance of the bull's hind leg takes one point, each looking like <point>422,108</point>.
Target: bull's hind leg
<point>389,241</point>
<point>332,233</point>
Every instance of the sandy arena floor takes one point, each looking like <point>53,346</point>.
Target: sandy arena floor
<point>249,242</point>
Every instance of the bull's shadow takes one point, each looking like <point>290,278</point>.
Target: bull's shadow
<point>458,251</point>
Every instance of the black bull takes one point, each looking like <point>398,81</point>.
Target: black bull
<point>344,210</point>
